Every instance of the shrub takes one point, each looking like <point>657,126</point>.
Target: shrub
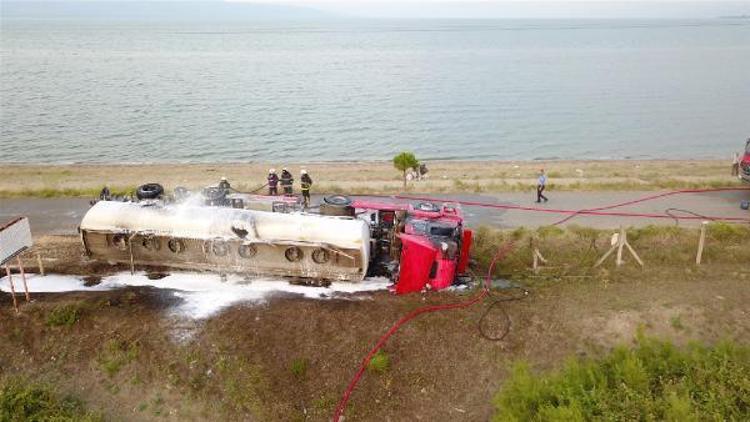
<point>405,161</point>
<point>64,315</point>
<point>652,381</point>
<point>379,363</point>
<point>23,401</point>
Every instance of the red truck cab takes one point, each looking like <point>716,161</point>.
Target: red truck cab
<point>420,247</point>
<point>745,164</point>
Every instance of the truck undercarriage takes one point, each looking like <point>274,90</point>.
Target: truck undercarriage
<point>418,247</point>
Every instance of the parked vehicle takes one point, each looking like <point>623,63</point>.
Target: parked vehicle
<point>745,164</point>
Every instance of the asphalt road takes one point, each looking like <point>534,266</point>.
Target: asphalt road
<point>62,215</point>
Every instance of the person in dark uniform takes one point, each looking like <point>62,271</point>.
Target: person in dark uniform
<point>286,181</point>
<point>224,184</point>
<point>305,183</point>
<point>105,194</point>
<point>273,182</point>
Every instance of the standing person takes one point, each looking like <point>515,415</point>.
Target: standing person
<point>736,164</point>
<point>540,185</point>
<point>224,184</point>
<point>305,183</point>
<point>286,181</point>
<point>273,183</point>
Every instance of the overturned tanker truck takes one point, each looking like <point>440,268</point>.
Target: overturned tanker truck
<point>423,246</point>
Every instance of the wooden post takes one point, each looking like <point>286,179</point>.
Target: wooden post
<point>536,256</point>
<point>622,242</point>
<point>132,261</point>
<point>12,287</point>
<point>701,243</point>
<point>620,245</point>
<point>23,277</point>
<point>39,262</point>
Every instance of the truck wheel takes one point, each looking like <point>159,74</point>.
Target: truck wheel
<point>149,191</point>
<point>338,200</point>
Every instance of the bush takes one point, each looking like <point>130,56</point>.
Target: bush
<point>65,315</point>
<point>379,363</point>
<point>405,161</point>
<point>22,401</point>
<point>652,381</point>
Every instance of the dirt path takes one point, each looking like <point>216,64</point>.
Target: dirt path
<point>62,215</point>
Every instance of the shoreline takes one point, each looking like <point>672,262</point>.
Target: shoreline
<point>355,162</point>
<point>371,177</point>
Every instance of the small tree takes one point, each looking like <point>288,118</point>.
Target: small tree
<point>405,161</point>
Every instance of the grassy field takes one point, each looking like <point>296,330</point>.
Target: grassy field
<point>654,380</point>
<point>371,177</point>
<point>119,355</point>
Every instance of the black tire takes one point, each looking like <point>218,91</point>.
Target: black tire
<point>427,206</point>
<point>149,191</point>
<point>338,200</point>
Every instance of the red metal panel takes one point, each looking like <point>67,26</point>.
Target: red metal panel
<point>463,261</point>
<point>445,274</point>
<point>417,256</point>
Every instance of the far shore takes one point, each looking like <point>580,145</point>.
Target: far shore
<point>375,177</point>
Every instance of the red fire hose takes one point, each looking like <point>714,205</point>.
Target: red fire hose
<point>599,211</point>
<point>408,317</point>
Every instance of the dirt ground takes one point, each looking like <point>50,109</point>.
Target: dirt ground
<point>291,358</point>
<point>372,177</point>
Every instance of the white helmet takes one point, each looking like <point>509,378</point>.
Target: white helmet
<point>284,169</point>
<point>303,171</point>
<point>272,171</point>
<point>223,179</point>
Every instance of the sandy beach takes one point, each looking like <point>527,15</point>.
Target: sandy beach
<point>31,180</point>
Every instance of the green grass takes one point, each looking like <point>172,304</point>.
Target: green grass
<point>64,192</point>
<point>298,367</point>
<point>652,381</point>
<point>676,323</point>
<point>573,251</point>
<point>243,384</point>
<point>21,400</point>
<point>64,315</point>
<point>115,354</point>
<point>380,362</point>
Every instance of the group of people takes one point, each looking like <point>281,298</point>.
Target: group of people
<point>286,181</point>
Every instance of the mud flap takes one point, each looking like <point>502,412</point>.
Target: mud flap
<point>417,258</point>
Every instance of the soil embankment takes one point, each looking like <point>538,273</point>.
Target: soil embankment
<point>290,358</point>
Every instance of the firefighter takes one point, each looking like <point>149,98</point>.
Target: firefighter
<point>273,183</point>
<point>286,182</point>
<point>305,183</point>
<point>224,184</point>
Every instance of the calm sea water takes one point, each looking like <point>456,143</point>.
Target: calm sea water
<point>362,90</point>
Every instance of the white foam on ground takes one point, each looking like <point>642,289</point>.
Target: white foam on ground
<point>203,294</point>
